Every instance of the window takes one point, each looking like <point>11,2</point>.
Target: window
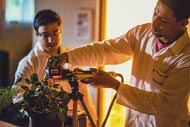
<point>20,11</point>
<point>114,28</point>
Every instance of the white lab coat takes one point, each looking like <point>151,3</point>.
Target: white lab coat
<point>35,62</point>
<point>160,82</point>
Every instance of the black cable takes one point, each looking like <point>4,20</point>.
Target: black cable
<point>113,100</point>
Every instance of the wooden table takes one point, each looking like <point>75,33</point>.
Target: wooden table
<point>5,124</point>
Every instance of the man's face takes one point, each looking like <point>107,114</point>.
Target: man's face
<point>164,24</point>
<point>50,37</point>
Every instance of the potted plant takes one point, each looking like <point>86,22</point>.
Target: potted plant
<point>44,102</point>
<point>6,97</point>
<point>9,112</point>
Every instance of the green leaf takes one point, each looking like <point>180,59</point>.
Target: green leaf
<point>54,92</point>
<point>6,96</point>
<point>44,98</point>
<point>55,60</point>
<point>56,86</point>
<point>34,77</point>
<point>25,88</point>
<point>45,82</point>
<point>26,94</point>
<point>27,81</point>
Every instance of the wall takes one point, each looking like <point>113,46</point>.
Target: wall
<point>68,9</point>
<point>15,39</point>
<point>18,39</point>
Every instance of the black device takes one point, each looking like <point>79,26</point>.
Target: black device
<point>60,73</point>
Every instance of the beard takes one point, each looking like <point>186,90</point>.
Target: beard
<point>156,33</point>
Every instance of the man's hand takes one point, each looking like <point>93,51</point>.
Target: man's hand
<point>58,60</point>
<point>103,79</point>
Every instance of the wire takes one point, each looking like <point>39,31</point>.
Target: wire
<point>113,100</point>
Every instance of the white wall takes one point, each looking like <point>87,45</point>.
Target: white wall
<point>67,9</point>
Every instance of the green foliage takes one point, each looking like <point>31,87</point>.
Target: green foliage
<point>6,96</point>
<point>44,98</point>
<point>55,60</point>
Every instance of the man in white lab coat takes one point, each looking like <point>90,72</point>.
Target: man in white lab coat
<point>160,79</point>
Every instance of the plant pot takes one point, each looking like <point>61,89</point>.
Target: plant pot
<point>45,122</point>
<point>12,115</point>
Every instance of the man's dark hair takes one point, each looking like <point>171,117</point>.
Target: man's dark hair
<point>180,8</point>
<point>45,17</point>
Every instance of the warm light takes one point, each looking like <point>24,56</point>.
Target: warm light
<point>121,16</point>
<point>118,113</point>
<point>188,29</point>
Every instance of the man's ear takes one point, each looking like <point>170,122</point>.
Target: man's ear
<point>184,22</point>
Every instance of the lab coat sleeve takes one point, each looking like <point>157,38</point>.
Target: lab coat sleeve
<point>113,51</point>
<point>171,99</point>
<point>24,70</point>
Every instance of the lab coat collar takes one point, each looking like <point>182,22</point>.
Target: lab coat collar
<point>180,43</point>
<point>175,47</point>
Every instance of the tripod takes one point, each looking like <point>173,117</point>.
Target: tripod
<point>75,96</point>
<point>61,73</point>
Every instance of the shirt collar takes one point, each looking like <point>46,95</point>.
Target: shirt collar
<point>179,44</point>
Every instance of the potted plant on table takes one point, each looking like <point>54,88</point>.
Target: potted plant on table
<point>6,102</point>
<point>6,97</point>
<point>45,102</point>
<point>9,112</point>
